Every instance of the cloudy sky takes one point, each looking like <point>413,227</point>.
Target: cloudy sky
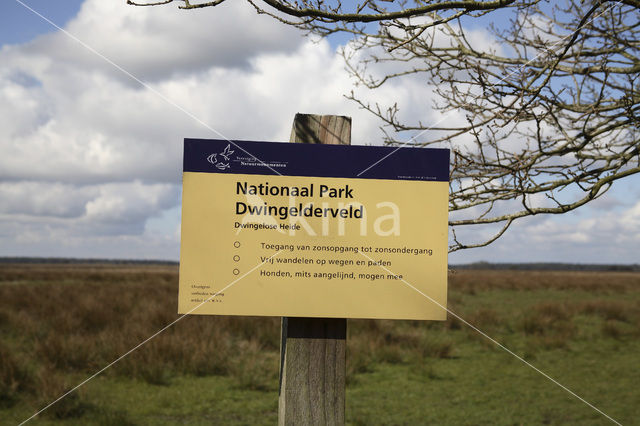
<point>92,123</point>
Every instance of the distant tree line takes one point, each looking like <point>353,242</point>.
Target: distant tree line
<point>542,266</point>
<point>534,266</point>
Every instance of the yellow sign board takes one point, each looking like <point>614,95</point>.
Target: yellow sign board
<point>269,229</point>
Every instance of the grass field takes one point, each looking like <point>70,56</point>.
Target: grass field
<point>61,323</point>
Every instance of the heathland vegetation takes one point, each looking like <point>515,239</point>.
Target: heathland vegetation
<point>60,323</point>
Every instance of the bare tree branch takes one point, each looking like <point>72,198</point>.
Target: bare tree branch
<point>550,99</point>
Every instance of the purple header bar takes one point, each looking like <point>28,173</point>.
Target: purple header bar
<point>296,159</point>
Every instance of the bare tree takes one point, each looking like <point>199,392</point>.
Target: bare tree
<point>550,106</point>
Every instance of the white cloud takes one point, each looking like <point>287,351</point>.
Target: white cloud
<point>127,203</point>
<point>581,236</point>
<point>157,42</point>
<point>44,199</point>
<point>116,208</point>
<point>90,160</point>
<point>79,124</point>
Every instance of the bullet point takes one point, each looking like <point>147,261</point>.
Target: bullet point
<point>236,244</point>
<point>236,271</point>
<point>236,258</point>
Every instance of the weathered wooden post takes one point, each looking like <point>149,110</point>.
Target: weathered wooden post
<point>313,350</point>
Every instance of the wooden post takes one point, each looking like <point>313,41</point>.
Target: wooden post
<point>313,350</point>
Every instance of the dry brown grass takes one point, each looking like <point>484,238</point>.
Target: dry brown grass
<point>61,319</point>
<point>374,341</point>
<point>14,378</point>
<point>610,310</point>
<point>80,318</point>
<point>550,324</point>
<point>63,273</point>
<point>471,281</point>
<point>50,384</point>
<point>485,319</point>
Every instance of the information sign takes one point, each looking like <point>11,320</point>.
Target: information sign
<point>283,229</point>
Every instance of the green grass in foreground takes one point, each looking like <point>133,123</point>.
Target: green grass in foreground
<point>59,325</point>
